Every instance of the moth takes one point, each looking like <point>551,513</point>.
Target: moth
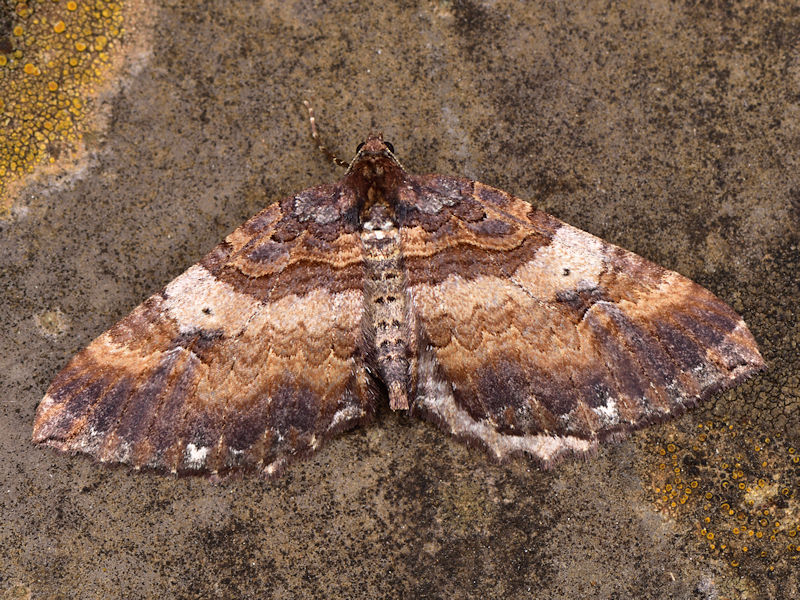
<point>456,301</point>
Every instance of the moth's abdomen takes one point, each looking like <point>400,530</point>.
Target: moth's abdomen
<point>387,320</point>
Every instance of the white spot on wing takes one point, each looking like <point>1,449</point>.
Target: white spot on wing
<point>272,467</point>
<point>345,414</point>
<point>195,457</point>
<point>608,413</point>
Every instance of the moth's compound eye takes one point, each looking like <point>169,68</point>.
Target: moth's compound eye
<point>359,147</point>
<point>390,147</point>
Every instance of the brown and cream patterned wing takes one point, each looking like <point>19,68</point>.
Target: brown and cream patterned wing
<point>539,338</point>
<point>249,358</point>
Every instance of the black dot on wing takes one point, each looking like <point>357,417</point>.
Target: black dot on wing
<point>565,272</point>
<point>207,310</point>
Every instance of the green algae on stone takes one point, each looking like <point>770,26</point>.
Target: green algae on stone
<point>52,55</point>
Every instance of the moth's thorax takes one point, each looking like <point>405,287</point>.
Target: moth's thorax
<point>374,175</point>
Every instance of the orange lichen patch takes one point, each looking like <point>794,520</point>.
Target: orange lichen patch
<point>736,488</point>
<point>55,56</point>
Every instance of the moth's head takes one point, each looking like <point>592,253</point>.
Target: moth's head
<point>374,156</point>
<point>375,145</point>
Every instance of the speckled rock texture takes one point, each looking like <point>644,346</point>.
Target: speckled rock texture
<point>669,128</point>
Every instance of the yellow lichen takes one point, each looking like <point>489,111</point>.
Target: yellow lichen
<point>59,53</point>
<point>745,488</point>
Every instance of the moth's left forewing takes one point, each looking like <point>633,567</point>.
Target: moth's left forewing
<point>248,359</point>
<point>540,338</point>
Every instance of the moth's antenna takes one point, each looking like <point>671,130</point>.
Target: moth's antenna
<point>315,136</point>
